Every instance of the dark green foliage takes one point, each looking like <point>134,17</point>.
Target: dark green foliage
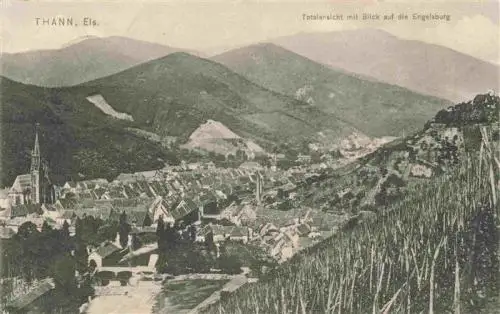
<point>351,99</point>
<point>81,256</point>
<point>75,137</point>
<point>136,243</point>
<point>124,229</point>
<point>147,221</point>
<point>36,255</point>
<point>26,230</point>
<point>192,233</point>
<point>229,264</point>
<point>209,242</point>
<point>483,109</point>
<point>46,227</point>
<point>108,231</point>
<point>65,230</point>
<point>186,257</point>
<point>92,265</point>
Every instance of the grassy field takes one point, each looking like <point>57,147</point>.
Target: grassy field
<point>435,251</point>
<point>183,295</point>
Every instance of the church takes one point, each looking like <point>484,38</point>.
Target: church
<point>34,187</point>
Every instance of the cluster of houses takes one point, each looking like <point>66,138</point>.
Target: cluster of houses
<point>201,194</point>
<point>186,194</point>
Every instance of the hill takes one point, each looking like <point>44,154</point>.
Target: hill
<point>169,97</point>
<point>79,141</point>
<point>382,177</point>
<point>80,62</point>
<point>215,137</point>
<point>174,95</point>
<point>377,109</point>
<point>426,68</point>
<point>434,249</point>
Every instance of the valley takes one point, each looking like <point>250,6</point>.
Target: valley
<point>348,171</point>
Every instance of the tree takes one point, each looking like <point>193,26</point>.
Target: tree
<point>46,227</point>
<point>209,241</point>
<point>78,228</point>
<point>26,230</point>
<point>192,233</point>
<point>135,242</point>
<point>63,272</point>
<point>107,232</point>
<point>65,230</point>
<point>92,265</point>
<point>147,221</point>
<point>241,155</point>
<point>160,228</point>
<point>81,257</point>
<point>168,236</point>
<point>230,264</point>
<point>124,230</point>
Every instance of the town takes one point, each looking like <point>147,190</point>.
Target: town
<point>137,225</point>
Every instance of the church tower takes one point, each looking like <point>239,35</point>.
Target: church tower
<point>258,188</point>
<point>35,170</point>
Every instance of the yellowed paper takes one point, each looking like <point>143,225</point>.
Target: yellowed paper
<point>249,156</point>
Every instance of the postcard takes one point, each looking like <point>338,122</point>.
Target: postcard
<point>249,156</point>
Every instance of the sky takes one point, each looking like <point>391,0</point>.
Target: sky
<point>473,27</point>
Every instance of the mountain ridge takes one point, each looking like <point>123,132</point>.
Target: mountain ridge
<point>350,97</point>
<point>96,57</point>
<point>419,66</point>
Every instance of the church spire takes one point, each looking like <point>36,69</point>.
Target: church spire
<point>35,153</point>
<point>36,148</point>
<point>35,170</point>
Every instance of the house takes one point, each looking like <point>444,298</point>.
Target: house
<point>92,184</point>
<point>50,211</point>
<point>114,192</point>
<point>6,233</point>
<point>210,165</point>
<point>32,301</point>
<point>99,210</point>
<point>149,175</point>
<point>20,192</point>
<point>126,177</point>
<point>136,216</point>
<point>70,186</point>
<point>243,214</point>
<point>24,210</point>
<point>268,228</point>
<point>303,230</point>
<point>420,170</point>
<point>108,254</point>
<point>202,233</point>
<point>251,165</point>
<point>158,188</point>
<point>66,204</point>
<point>280,247</point>
<point>304,158</point>
<point>144,256</point>
<point>208,203</point>
<point>241,234</point>
<point>5,201</point>
<point>161,208</point>
<point>67,215</point>
<point>187,211</point>
<point>220,233</point>
<point>130,191</point>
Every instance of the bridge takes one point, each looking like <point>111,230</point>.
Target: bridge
<point>119,269</point>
